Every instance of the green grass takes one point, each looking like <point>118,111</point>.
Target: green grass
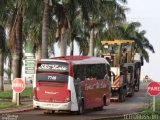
<point>27,93</point>
<point>148,113</point>
<point>7,105</point>
<point>150,109</point>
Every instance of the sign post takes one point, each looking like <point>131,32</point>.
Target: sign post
<point>153,90</point>
<point>18,86</point>
<point>154,102</point>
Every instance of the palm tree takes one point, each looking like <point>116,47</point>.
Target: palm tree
<point>8,70</point>
<point>130,31</point>
<point>3,44</point>
<point>143,44</point>
<point>93,18</point>
<point>91,39</point>
<point>16,41</point>
<point>106,12</point>
<point>63,25</point>
<point>79,35</point>
<point>66,13</point>
<point>116,17</point>
<point>45,27</point>
<point>33,29</point>
<point>8,62</point>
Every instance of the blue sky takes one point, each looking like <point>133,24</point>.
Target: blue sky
<point>147,13</point>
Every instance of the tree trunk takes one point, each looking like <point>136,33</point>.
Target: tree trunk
<point>63,42</point>
<point>38,53</point>
<point>1,71</point>
<point>16,71</point>
<point>2,48</point>
<point>91,43</point>
<point>9,68</point>
<point>45,29</point>
<point>72,48</point>
<point>17,53</point>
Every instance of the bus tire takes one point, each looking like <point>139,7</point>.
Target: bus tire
<point>49,112</point>
<point>99,108</point>
<point>104,101</point>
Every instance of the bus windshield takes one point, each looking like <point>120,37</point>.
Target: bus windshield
<point>52,71</point>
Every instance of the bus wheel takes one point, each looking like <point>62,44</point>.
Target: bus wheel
<point>49,112</point>
<point>80,108</point>
<point>104,101</point>
<point>99,108</point>
<point>53,112</point>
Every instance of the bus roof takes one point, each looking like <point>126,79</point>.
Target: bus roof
<point>78,59</point>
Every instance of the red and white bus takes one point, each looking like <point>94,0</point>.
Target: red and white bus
<point>72,83</point>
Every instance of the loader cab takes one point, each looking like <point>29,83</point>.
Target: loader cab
<point>127,50</point>
<point>111,53</point>
<point>118,52</point>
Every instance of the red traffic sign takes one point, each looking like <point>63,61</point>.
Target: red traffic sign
<point>18,85</point>
<point>153,88</point>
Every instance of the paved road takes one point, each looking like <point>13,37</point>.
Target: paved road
<point>131,105</point>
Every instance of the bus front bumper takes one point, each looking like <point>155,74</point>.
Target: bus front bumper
<point>52,106</point>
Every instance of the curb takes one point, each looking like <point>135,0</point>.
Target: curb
<point>18,109</point>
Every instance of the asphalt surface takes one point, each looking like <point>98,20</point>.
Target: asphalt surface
<point>134,104</point>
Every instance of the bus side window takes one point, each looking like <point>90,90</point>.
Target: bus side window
<point>101,71</point>
<point>87,71</point>
<point>91,72</point>
<point>79,72</point>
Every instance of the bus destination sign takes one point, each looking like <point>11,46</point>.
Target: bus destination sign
<point>52,67</point>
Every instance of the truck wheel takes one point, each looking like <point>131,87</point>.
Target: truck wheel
<point>137,88</point>
<point>133,89</point>
<point>121,95</point>
<point>131,93</point>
